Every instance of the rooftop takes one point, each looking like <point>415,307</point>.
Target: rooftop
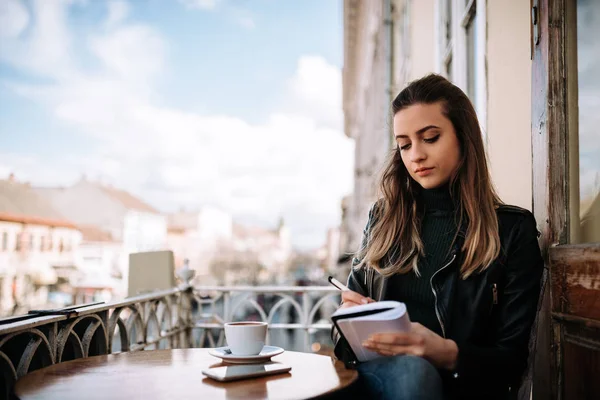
<point>20,203</point>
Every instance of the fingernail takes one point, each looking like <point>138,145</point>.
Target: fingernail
<point>364,301</point>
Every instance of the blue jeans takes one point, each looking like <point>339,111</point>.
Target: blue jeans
<point>401,378</point>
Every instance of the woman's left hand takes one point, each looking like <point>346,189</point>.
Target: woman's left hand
<point>419,341</point>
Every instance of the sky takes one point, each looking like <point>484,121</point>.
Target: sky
<point>234,104</point>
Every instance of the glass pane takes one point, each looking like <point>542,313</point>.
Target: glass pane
<point>449,69</point>
<point>471,60</point>
<point>448,21</point>
<point>588,65</point>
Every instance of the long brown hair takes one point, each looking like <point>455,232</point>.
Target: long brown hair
<point>396,217</point>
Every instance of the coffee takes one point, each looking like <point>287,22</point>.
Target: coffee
<point>245,338</point>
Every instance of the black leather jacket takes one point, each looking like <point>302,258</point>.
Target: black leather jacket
<point>489,315</point>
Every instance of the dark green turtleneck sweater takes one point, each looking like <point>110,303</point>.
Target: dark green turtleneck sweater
<point>438,228</point>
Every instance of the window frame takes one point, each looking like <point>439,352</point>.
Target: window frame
<point>19,242</point>
<point>5,241</point>
<point>454,49</point>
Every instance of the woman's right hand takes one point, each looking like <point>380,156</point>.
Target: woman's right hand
<point>352,299</point>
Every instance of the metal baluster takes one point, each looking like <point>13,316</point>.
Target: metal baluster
<point>305,321</point>
<point>226,306</point>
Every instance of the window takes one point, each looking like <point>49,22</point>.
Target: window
<point>447,40</point>
<point>587,62</point>
<point>4,241</point>
<point>19,240</point>
<point>461,43</point>
<point>401,40</point>
<point>42,243</point>
<point>405,40</point>
<point>468,24</point>
<point>31,242</point>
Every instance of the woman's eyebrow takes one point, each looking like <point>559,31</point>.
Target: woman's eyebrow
<point>419,132</point>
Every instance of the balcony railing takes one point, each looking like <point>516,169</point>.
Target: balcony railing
<point>226,303</point>
<point>176,318</point>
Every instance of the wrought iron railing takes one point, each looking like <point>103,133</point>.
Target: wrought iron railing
<point>176,318</point>
<point>225,304</point>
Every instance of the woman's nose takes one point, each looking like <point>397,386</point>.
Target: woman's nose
<point>417,154</point>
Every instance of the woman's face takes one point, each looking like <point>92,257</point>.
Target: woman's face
<point>428,144</point>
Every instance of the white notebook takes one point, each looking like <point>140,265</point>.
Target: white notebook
<point>357,323</point>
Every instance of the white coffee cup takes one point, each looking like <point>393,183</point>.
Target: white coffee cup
<point>245,338</point>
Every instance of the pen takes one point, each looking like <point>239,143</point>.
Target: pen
<point>337,284</point>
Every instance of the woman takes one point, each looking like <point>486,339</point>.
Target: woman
<point>440,240</point>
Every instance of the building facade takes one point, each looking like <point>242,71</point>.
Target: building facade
<point>127,220</point>
<point>196,235</point>
<point>483,47</point>
<point>367,92</point>
<point>38,248</point>
<point>270,249</point>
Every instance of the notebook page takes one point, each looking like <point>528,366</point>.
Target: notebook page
<point>356,330</point>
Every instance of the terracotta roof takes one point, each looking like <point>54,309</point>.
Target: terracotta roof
<point>128,200</point>
<point>33,220</point>
<point>93,233</point>
<point>20,203</point>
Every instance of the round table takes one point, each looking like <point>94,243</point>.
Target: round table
<point>176,374</point>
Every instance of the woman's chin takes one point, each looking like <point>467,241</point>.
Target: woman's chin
<point>429,183</point>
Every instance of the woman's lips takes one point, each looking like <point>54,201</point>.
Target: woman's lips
<point>424,171</point>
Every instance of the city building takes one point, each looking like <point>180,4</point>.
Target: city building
<point>273,246</point>
<point>100,255</point>
<point>196,235</point>
<point>332,249</point>
<point>263,255</point>
<point>111,213</point>
<point>38,249</point>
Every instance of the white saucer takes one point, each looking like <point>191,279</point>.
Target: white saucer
<point>265,355</point>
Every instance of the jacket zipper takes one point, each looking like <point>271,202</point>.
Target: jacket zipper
<point>370,282</point>
<point>495,294</point>
<point>437,312</point>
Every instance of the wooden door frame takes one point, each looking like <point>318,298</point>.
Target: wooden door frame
<point>569,319</point>
<point>549,140</point>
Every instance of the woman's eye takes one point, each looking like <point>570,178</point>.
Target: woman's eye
<point>433,139</point>
<point>405,147</point>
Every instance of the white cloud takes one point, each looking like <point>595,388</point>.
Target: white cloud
<point>241,16</point>
<point>298,164</point>
<point>29,168</point>
<point>200,4</point>
<point>14,18</point>
<point>246,22</point>
<point>134,53</point>
<point>317,90</point>
<point>117,12</point>
<point>238,15</point>
<point>47,51</point>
